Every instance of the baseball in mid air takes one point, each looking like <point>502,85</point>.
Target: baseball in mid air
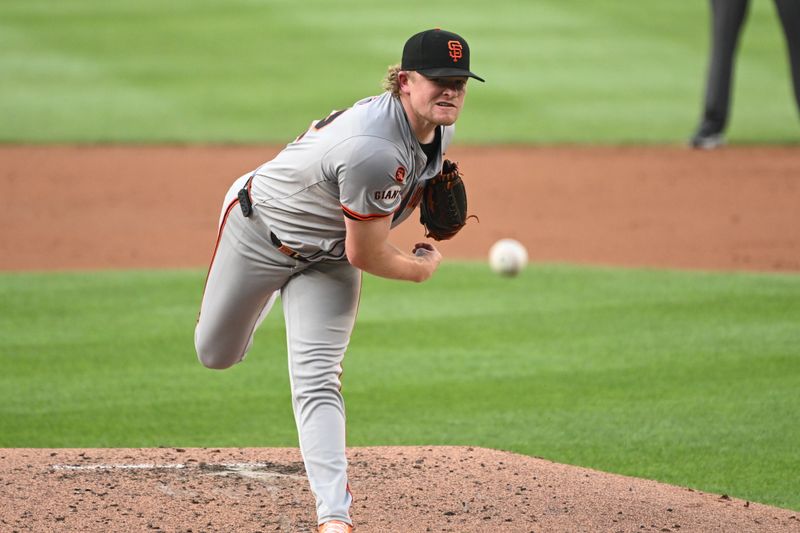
<point>507,257</point>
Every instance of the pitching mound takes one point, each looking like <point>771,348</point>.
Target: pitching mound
<point>396,489</point>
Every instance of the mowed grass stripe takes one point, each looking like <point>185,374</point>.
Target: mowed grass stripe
<point>604,71</point>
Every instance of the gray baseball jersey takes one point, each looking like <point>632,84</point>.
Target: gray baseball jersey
<point>362,163</point>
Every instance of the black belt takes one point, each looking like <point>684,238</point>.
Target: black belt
<point>246,203</point>
<point>282,248</point>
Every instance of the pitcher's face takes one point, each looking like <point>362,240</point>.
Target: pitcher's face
<point>436,100</point>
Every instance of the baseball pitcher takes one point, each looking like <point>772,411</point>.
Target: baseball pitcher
<point>308,222</point>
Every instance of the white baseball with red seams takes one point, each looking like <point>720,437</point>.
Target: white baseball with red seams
<point>508,257</point>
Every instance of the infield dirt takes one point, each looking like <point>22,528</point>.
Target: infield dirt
<point>123,207</point>
<point>64,208</point>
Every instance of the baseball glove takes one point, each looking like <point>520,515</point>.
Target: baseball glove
<point>443,210</point>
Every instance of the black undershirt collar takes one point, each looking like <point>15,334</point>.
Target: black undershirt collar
<point>432,147</point>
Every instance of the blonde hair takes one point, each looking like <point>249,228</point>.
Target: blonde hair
<point>391,82</point>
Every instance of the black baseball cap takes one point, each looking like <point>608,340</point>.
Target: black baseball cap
<point>437,54</point>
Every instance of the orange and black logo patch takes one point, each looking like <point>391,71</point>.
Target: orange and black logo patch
<point>456,52</point>
<point>400,174</point>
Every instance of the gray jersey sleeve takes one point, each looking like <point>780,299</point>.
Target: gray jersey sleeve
<point>370,171</point>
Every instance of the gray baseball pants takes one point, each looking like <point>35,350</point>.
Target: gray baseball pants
<point>320,302</point>
<point>727,19</point>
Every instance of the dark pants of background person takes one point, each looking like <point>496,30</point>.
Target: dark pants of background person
<point>727,20</point>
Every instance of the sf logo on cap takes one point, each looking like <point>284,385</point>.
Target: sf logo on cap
<point>455,50</point>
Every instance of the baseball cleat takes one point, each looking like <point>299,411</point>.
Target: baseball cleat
<point>706,141</point>
<point>335,526</point>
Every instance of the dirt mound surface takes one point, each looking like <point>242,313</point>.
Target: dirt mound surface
<point>396,489</point>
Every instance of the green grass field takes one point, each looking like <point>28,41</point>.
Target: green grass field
<point>688,378</point>
<point>601,71</point>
